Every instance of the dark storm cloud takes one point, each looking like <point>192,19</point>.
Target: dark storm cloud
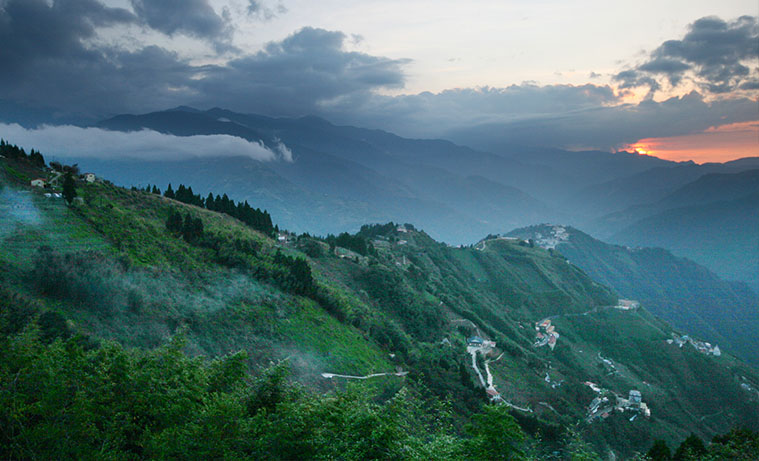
<point>49,69</point>
<point>297,74</point>
<point>47,66</point>
<point>32,29</point>
<point>713,53</point>
<point>190,17</point>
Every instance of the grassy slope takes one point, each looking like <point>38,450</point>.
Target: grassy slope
<point>144,284</point>
<point>164,284</point>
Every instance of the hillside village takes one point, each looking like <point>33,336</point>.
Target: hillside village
<point>606,403</point>
<point>701,346</point>
<point>545,334</point>
<point>557,235</point>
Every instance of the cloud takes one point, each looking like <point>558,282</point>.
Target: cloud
<point>190,17</point>
<point>285,153</point>
<point>714,54</point>
<point>257,8</point>
<point>57,71</point>
<point>34,30</point>
<point>71,141</point>
<point>49,70</point>
<point>435,114</point>
<point>296,75</point>
<point>609,127</point>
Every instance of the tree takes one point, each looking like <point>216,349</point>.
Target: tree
<point>495,434</point>
<point>192,228</point>
<point>577,447</point>
<point>691,448</point>
<point>169,192</point>
<point>37,159</point>
<point>174,222</point>
<point>69,188</point>
<point>738,444</point>
<point>659,451</point>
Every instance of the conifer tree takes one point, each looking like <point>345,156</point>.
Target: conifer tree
<point>174,222</point>
<point>69,188</point>
<point>169,192</point>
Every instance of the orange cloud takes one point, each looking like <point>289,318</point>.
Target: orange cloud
<point>715,144</point>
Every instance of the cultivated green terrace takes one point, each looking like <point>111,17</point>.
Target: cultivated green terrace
<point>138,326</point>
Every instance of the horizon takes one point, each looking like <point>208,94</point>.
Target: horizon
<point>676,86</point>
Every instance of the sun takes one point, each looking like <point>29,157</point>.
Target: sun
<point>640,149</point>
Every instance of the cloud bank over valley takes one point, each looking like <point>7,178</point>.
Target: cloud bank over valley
<point>67,141</point>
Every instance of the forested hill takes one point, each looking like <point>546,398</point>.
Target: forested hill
<point>138,326</point>
<point>676,289</point>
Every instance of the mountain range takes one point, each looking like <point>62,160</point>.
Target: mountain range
<point>342,177</point>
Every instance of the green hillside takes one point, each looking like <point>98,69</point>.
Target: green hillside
<point>676,289</point>
<point>140,308</point>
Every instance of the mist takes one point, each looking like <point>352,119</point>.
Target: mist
<point>65,141</point>
<point>16,208</point>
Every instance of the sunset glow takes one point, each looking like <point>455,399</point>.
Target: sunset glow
<point>716,144</point>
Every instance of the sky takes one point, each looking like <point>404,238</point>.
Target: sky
<point>676,79</point>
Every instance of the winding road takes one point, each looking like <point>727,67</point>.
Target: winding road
<point>333,375</point>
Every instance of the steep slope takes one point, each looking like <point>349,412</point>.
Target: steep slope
<point>676,289</point>
<point>110,268</point>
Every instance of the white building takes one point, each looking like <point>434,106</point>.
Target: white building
<point>89,177</point>
<point>39,182</point>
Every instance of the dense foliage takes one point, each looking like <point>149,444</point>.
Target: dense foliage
<point>15,152</point>
<point>355,243</point>
<point>72,399</point>
<point>254,217</point>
